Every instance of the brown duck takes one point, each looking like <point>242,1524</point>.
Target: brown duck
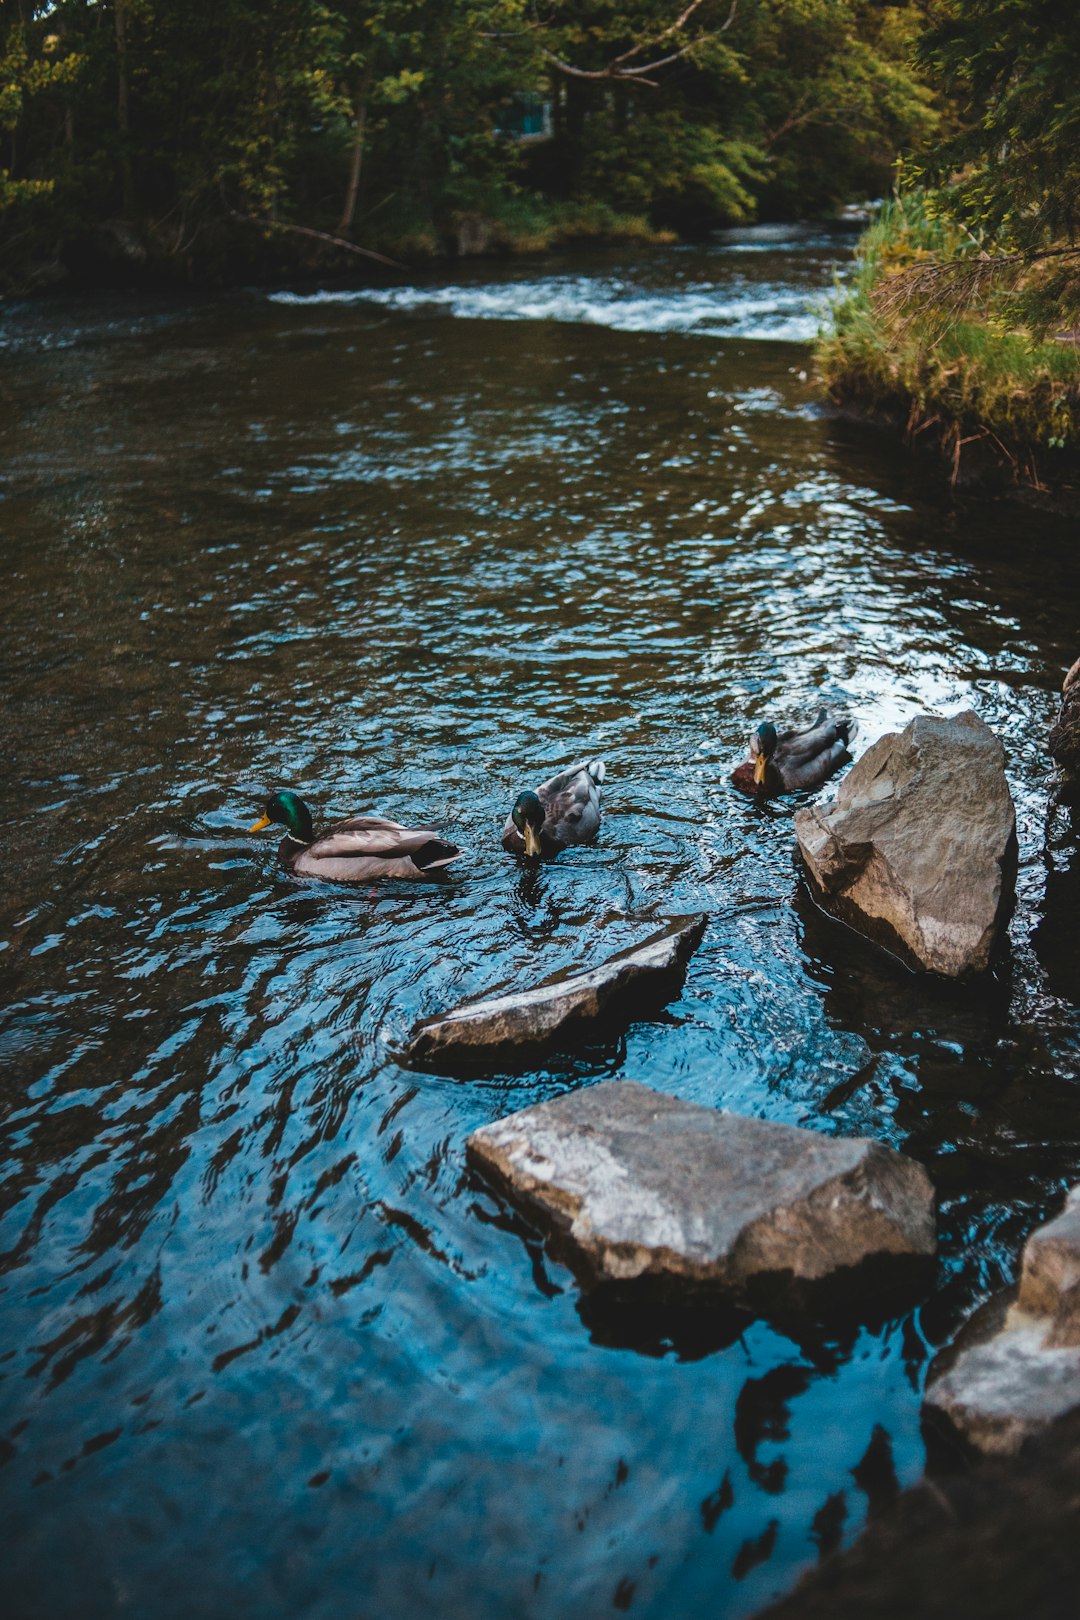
<point>787,761</point>
<point>355,850</point>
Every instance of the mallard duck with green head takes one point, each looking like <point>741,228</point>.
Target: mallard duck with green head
<point>560,812</point>
<point>355,850</point>
<point>787,761</point>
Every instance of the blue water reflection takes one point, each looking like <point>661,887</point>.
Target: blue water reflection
<point>266,1346</point>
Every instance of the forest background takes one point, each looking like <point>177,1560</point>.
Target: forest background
<point>208,137</point>
<point>223,141</point>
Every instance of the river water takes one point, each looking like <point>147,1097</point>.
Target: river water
<point>265,1348</point>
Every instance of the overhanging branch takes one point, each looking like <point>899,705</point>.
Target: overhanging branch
<point>617,70</point>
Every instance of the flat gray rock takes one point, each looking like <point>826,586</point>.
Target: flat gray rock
<point>918,848</point>
<point>562,1007</point>
<point>640,1184</point>
<point>1027,1374</point>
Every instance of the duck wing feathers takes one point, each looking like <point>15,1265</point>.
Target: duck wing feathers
<point>803,758</point>
<point>364,847</point>
<point>369,835</point>
<point>807,758</point>
<point>571,803</point>
<point>817,738</point>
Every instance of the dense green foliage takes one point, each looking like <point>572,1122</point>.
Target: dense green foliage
<point>963,314</point>
<point>1009,173</point>
<point>978,385</point>
<point>214,136</point>
<point>1012,169</point>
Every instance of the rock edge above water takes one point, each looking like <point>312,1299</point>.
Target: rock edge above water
<point>1065,732</point>
<point>639,1184</point>
<point>918,848</point>
<point>626,985</point>
<point>1026,1375</point>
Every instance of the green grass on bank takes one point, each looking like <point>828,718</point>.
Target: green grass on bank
<point>508,224</point>
<point>979,384</point>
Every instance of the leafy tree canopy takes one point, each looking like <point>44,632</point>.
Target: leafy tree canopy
<point>181,130</point>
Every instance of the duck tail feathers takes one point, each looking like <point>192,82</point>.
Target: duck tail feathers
<point>436,852</point>
<point>597,770</point>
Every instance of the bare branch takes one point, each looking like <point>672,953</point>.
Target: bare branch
<point>321,236</point>
<point>792,121</point>
<point>672,28</point>
<point>950,288</point>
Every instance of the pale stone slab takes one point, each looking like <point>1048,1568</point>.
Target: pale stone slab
<point>918,847</point>
<point>1027,1374</point>
<point>1065,732</point>
<point>641,1184</point>
<point>528,1020</point>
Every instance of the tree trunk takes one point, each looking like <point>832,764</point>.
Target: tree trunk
<point>120,19</point>
<point>352,189</point>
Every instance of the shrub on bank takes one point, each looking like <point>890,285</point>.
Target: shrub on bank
<point>948,352</point>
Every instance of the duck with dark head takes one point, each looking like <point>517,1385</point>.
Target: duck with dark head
<point>355,850</point>
<point>560,812</point>
<point>787,761</point>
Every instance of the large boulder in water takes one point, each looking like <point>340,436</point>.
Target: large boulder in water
<point>637,1185</point>
<point>918,848</point>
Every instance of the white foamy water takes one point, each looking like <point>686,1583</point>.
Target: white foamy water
<point>733,306</point>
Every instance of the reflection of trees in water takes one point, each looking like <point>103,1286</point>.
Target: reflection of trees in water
<point>967,1078</point>
<point>762,1417</point>
<point>827,1528</point>
<point>755,1551</point>
<point>717,1503</point>
<point>875,1474</point>
<point>823,1344</point>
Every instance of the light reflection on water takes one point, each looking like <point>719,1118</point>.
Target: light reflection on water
<point>258,1324</point>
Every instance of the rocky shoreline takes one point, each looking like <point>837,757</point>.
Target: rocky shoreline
<point>642,1194</point>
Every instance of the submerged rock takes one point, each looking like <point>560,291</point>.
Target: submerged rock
<point>625,986</point>
<point>638,1184</point>
<point>918,848</point>
<point>1027,1374</point>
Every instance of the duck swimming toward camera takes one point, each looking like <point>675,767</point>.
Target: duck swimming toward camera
<point>786,761</point>
<point>356,850</point>
<point>563,811</point>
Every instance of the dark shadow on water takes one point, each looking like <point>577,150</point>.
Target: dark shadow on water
<point>1056,936</point>
<point>824,1318</point>
<point>872,993</point>
<point>658,1327</point>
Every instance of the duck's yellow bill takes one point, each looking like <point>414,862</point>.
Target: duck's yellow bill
<point>532,840</point>
<point>760,766</point>
<point>257,826</point>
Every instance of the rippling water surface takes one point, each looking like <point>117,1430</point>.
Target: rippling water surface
<point>266,1349</point>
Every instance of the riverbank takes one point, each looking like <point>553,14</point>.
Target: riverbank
<point>996,402</point>
<point>241,251</point>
